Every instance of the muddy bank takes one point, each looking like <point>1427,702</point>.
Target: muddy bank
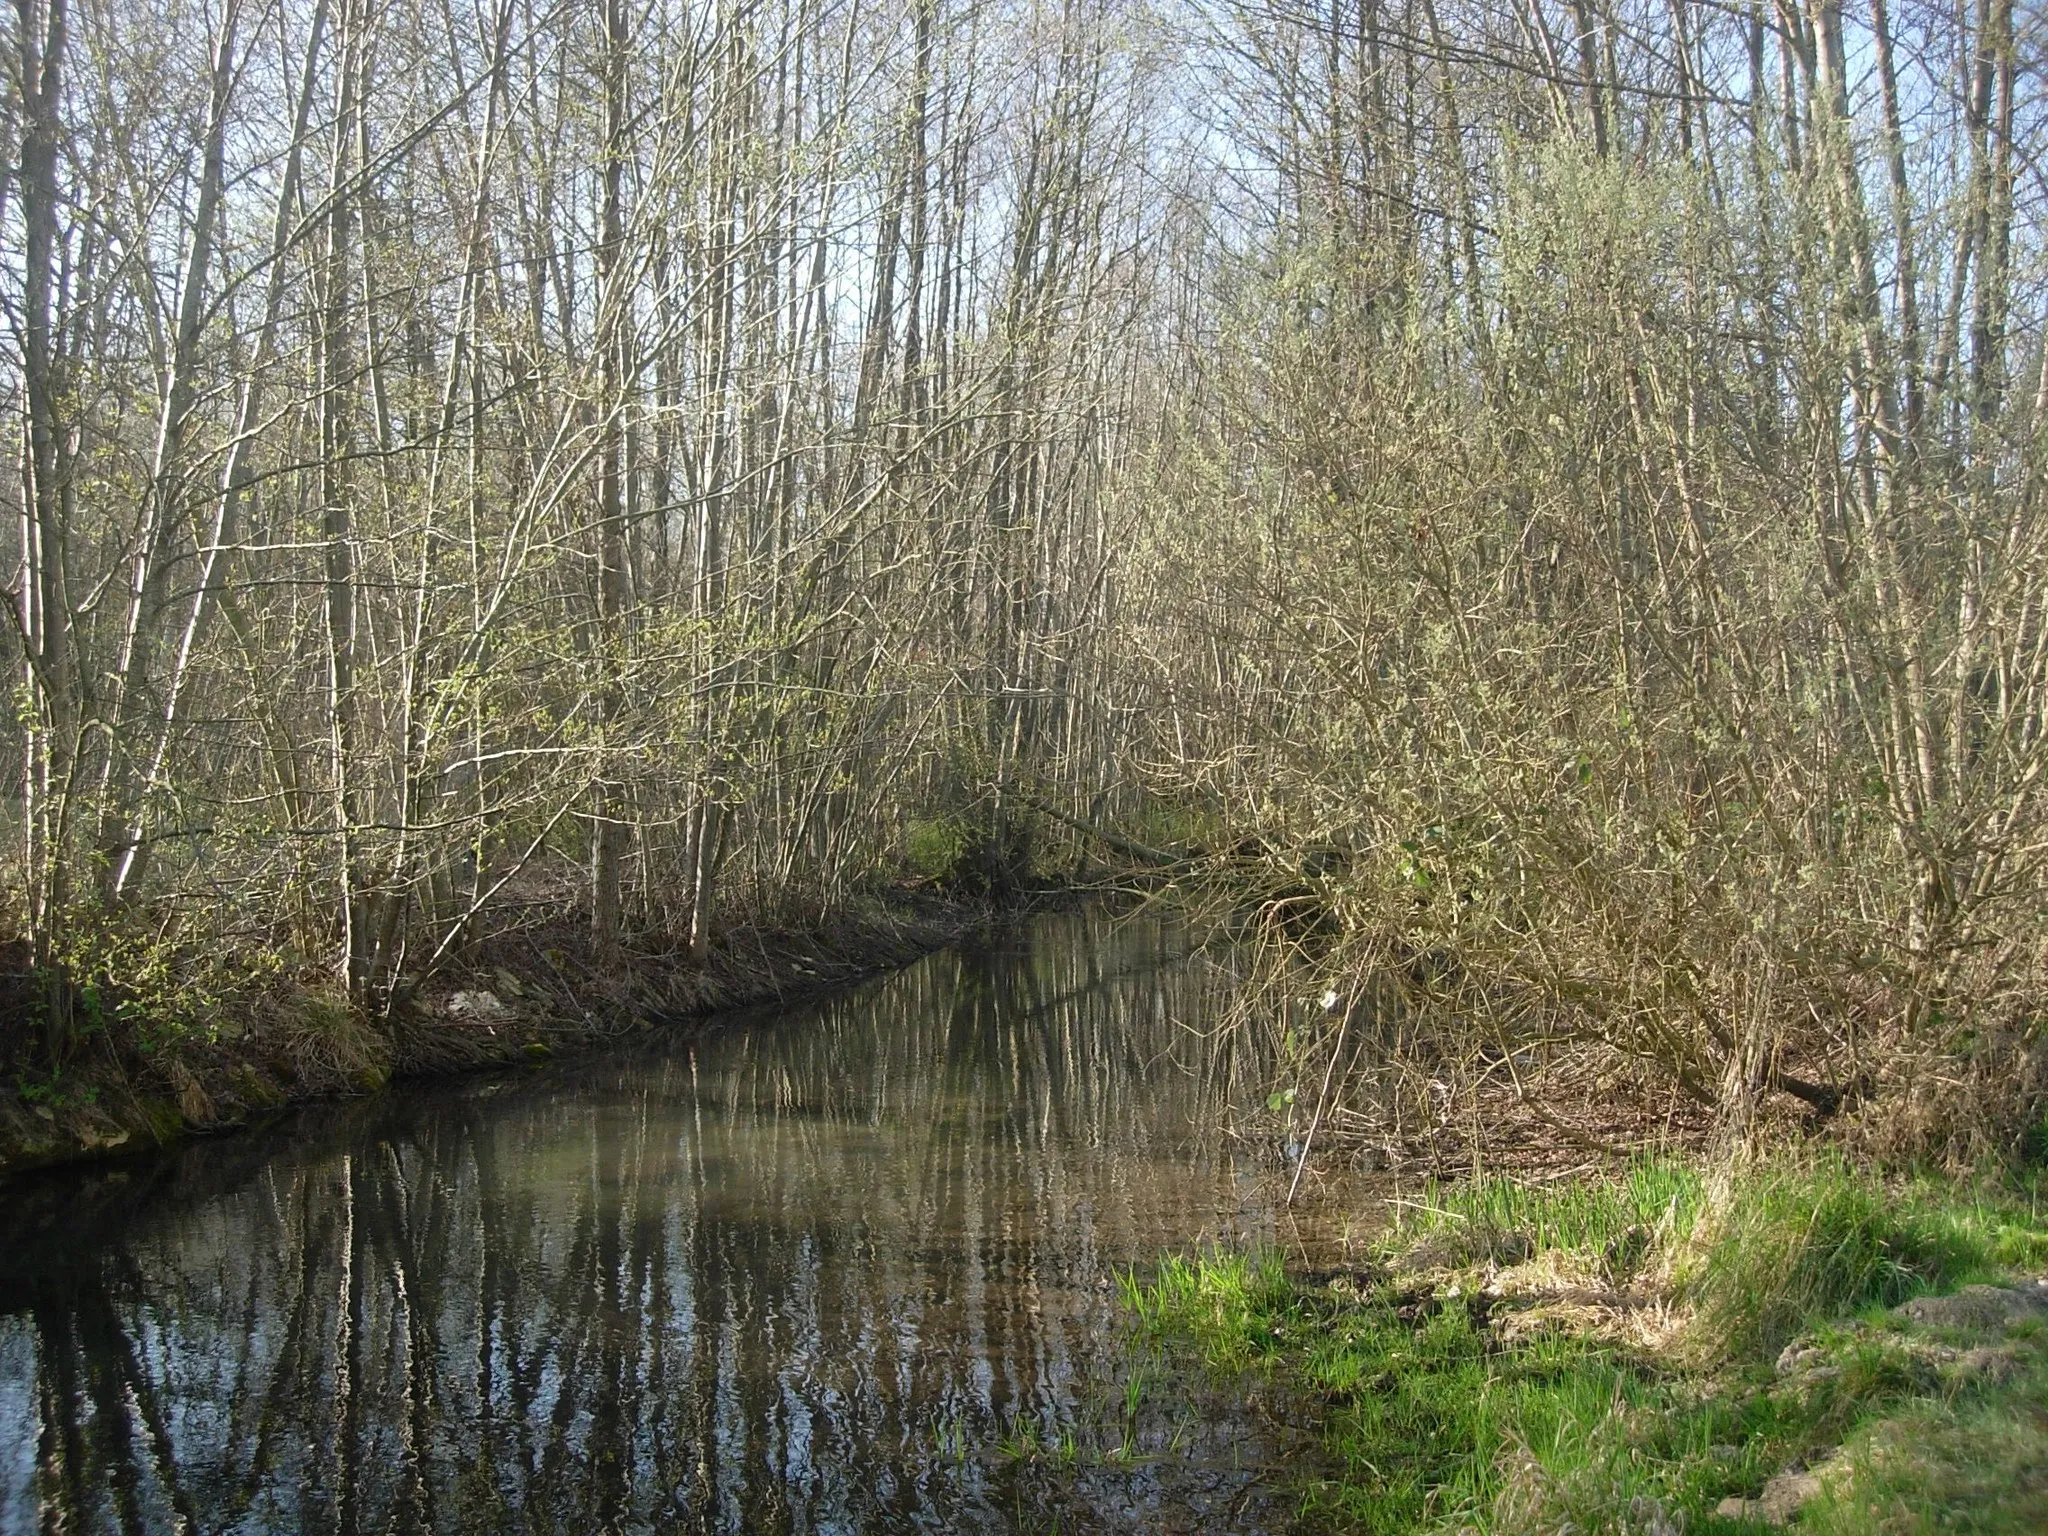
<point>529,994</point>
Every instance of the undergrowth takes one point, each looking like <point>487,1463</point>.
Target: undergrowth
<point>1451,1397</point>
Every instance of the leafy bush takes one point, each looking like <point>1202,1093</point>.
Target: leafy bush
<point>934,848</point>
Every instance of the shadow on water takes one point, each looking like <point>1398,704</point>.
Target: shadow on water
<point>844,1268</point>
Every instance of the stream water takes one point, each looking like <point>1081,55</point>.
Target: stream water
<point>847,1266</point>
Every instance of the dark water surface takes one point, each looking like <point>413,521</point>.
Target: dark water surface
<point>843,1267</point>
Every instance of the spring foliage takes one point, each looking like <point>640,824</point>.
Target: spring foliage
<point>1555,491</point>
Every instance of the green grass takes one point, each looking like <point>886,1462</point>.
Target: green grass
<point>1221,1302</point>
<point>1656,1194</point>
<point>1433,1420</point>
<point>1616,1222</point>
<point>1824,1240</point>
<point>1979,1465</point>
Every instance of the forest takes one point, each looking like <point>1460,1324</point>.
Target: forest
<point>1522,523</point>
<point>1543,498</point>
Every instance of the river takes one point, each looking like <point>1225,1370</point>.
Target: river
<point>844,1266</point>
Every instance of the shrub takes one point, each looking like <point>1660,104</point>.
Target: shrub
<point>934,848</point>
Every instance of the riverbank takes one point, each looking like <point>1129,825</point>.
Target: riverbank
<point>530,993</point>
<point>1657,1353</point>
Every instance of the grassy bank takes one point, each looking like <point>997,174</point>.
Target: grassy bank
<point>1659,1354</point>
<point>223,1056</point>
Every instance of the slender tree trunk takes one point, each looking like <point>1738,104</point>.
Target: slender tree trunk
<point>337,493</point>
<point>45,604</point>
<point>235,474</point>
<point>609,803</point>
<point>151,570</point>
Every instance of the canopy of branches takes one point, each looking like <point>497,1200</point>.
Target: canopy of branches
<point>1559,481</point>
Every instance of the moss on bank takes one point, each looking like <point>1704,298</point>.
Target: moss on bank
<point>1657,1354</point>
<point>529,995</point>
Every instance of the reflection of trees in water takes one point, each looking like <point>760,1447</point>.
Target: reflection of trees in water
<point>740,1284</point>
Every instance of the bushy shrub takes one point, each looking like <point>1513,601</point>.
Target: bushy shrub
<point>934,848</point>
